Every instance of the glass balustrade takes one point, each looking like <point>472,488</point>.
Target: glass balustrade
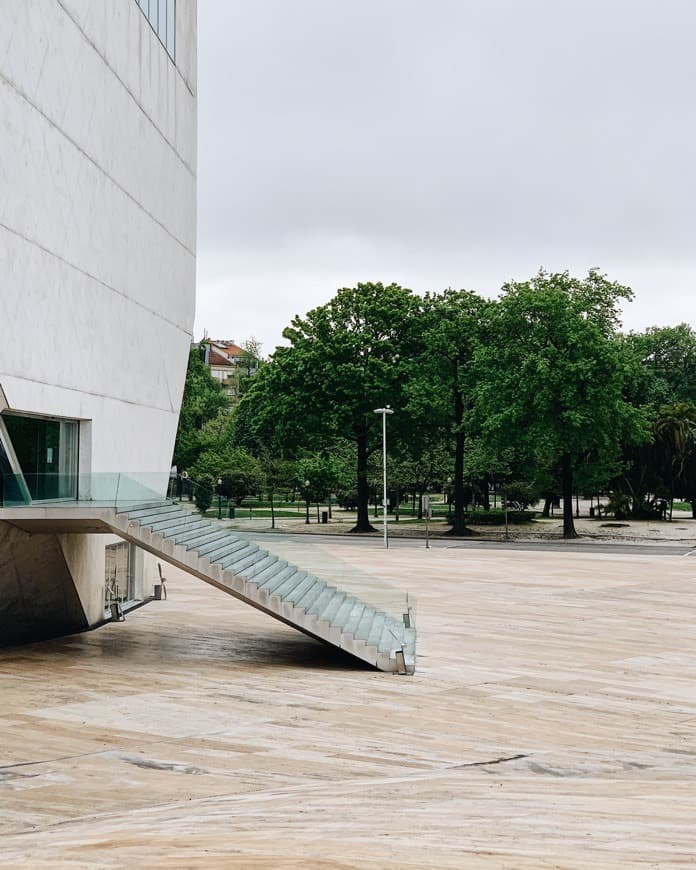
<point>99,489</point>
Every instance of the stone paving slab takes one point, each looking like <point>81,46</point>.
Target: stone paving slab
<point>551,723</point>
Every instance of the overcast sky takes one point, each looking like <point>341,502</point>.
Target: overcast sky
<point>440,143</point>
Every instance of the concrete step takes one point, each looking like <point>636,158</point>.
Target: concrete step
<point>260,566</point>
<point>171,521</point>
<point>241,559</point>
<point>393,633</point>
<point>289,607</point>
<point>272,582</point>
<point>236,555</point>
<point>294,594</point>
<point>227,549</point>
<point>134,512</point>
<point>191,534</point>
<point>268,573</point>
<point>311,595</point>
<point>344,611</point>
<point>193,525</point>
<point>376,630</point>
<point>350,626</point>
<point>206,537</point>
<point>365,624</point>
<point>240,567</point>
<point>153,514</point>
<point>224,540</point>
<point>281,591</point>
<point>321,602</point>
<point>332,607</point>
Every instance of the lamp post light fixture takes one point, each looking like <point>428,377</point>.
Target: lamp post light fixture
<point>306,489</point>
<point>384,411</point>
<point>219,485</point>
<point>449,500</point>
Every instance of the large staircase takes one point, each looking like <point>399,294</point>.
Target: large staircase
<point>270,583</point>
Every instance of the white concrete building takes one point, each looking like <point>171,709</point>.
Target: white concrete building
<point>97,271</point>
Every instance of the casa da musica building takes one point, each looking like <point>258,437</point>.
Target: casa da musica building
<point>97,271</point>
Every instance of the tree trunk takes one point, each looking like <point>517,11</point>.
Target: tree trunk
<point>546,513</point>
<point>420,505</point>
<point>567,475</point>
<point>486,496</point>
<point>272,511</point>
<point>363,522</point>
<point>459,520</point>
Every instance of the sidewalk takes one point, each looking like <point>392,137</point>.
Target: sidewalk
<point>681,530</point>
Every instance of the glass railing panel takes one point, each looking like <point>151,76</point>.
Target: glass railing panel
<point>108,489</point>
<point>315,558</point>
<point>14,491</point>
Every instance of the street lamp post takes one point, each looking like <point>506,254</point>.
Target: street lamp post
<point>306,488</point>
<point>384,411</point>
<point>219,484</point>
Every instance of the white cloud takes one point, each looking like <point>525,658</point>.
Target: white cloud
<point>448,143</point>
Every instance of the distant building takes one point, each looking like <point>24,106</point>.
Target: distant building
<point>229,364</point>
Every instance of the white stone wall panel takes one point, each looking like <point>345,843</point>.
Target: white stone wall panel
<point>97,221</point>
<point>96,108</point>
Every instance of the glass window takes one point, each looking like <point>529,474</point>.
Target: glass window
<point>6,477</point>
<point>162,20</point>
<point>171,30</point>
<point>162,17</point>
<point>119,573</point>
<point>46,450</point>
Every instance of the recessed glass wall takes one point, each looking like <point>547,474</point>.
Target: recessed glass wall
<point>6,479</point>
<point>162,17</point>
<point>119,573</point>
<point>46,450</point>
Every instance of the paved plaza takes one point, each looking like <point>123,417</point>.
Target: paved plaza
<point>551,723</point>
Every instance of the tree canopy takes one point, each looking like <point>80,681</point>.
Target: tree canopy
<point>536,393</point>
<point>552,374</point>
<point>344,360</point>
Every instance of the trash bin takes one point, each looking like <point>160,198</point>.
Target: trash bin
<point>231,513</point>
<point>324,517</point>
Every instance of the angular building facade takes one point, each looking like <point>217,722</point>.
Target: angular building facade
<point>97,277</point>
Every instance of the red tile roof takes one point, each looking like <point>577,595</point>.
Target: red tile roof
<point>218,359</point>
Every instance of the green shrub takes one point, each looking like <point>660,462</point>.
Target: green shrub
<point>204,493</point>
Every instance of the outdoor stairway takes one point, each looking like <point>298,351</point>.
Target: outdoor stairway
<point>271,584</point>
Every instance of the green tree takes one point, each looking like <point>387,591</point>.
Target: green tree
<point>316,476</point>
<point>240,472</point>
<point>441,394</point>
<point>203,401</point>
<point>675,428</point>
<point>667,358</point>
<point>552,374</point>
<point>344,360</point>
<point>203,493</point>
